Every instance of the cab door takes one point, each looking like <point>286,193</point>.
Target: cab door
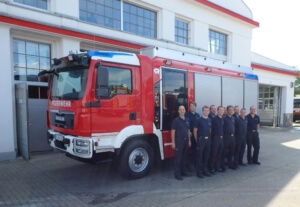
<point>174,94</point>
<point>118,109</point>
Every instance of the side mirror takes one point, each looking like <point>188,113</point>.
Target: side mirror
<point>102,82</point>
<point>102,76</point>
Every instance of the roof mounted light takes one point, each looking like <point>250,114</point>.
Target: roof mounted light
<point>208,69</point>
<point>168,62</point>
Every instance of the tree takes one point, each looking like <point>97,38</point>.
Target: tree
<point>297,82</point>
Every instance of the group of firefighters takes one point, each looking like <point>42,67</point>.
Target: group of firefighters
<point>218,139</point>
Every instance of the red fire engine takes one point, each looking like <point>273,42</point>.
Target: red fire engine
<point>115,105</point>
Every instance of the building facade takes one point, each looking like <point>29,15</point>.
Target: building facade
<point>34,32</point>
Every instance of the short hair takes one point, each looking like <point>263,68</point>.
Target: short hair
<point>204,107</point>
<point>181,105</point>
<point>243,109</point>
<point>236,107</point>
<point>230,106</point>
<point>211,106</point>
<point>219,107</point>
<point>194,103</point>
<point>252,107</point>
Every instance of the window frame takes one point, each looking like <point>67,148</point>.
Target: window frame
<point>32,7</point>
<point>25,68</point>
<point>187,38</point>
<point>224,48</point>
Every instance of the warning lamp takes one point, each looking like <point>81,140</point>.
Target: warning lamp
<point>168,62</point>
<point>208,69</point>
<point>241,74</point>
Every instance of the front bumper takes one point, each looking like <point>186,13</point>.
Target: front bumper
<point>77,146</point>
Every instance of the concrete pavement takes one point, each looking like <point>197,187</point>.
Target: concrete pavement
<point>52,179</point>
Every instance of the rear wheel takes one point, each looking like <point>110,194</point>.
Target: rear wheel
<point>136,159</point>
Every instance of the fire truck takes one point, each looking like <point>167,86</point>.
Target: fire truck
<point>119,106</point>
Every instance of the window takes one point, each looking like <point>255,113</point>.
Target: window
<point>104,12</point>
<point>107,13</point>
<point>181,32</point>
<point>266,97</point>
<point>41,4</point>
<point>174,93</point>
<point>217,43</point>
<point>139,21</point>
<point>119,81</point>
<point>29,59</point>
<point>37,92</point>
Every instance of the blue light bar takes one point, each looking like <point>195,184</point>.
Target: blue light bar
<point>251,76</point>
<point>107,54</point>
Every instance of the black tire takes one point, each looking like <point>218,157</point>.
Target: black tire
<point>136,159</point>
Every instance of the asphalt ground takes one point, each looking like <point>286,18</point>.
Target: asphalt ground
<point>53,179</point>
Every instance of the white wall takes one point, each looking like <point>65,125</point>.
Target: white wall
<point>201,19</point>
<point>7,123</point>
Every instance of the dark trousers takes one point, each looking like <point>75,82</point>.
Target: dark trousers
<point>194,151</point>
<point>203,151</point>
<point>181,154</point>
<point>242,150</point>
<point>216,154</point>
<point>228,151</point>
<point>252,141</point>
<point>238,154</point>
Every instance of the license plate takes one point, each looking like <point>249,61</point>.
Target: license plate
<point>60,118</point>
<point>59,137</point>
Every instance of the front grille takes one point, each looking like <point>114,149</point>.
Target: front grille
<point>63,119</point>
<point>60,145</point>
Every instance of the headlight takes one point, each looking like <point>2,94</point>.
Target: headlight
<point>82,143</point>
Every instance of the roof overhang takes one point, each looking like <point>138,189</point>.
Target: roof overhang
<point>274,69</point>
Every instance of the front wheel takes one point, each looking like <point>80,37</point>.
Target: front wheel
<point>136,159</point>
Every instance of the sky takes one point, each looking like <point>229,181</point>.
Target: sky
<point>278,36</point>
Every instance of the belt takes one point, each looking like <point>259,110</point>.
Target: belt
<point>219,136</point>
<point>230,135</point>
<point>205,137</point>
<point>252,131</point>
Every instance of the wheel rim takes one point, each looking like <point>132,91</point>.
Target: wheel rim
<point>138,160</point>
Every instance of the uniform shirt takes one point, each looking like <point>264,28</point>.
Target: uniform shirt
<point>253,122</point>
<point>204,127</point>
<point>235,116</point>
<point>229,125</point>
<point>192,117</point>
<point>181,128</point>
<point>217,126</point>
<point>211,116</point>
<point>241,126</point>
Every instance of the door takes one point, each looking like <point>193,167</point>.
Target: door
<point>174,94</point>
<point>22,120</point>
<point>37,118</point>
<point>119,109</point>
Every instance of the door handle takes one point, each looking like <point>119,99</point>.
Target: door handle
<point>132,116</point>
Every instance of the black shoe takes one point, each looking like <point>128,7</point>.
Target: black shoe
<point>232,167</point>
<point>222,170</point>
<point>186,174</point>
<point>177,177</point>
<point>200,176</point>
<point>207,174</point>
<point>212,172</point>
<point>256,163</point>
<point>242,164</point>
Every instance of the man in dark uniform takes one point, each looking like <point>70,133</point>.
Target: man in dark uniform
<point>192,115</point>
<point>202,132</point>
<point>229,139</point>
<point>241,123</point>
<point>253,136</point>
<point>181,141</point>
<point>236,112</point>
<point>217,141</point>
<point>212,111</point>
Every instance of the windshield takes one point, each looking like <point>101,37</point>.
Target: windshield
<point>69,84</point>
<point>296,103</point>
